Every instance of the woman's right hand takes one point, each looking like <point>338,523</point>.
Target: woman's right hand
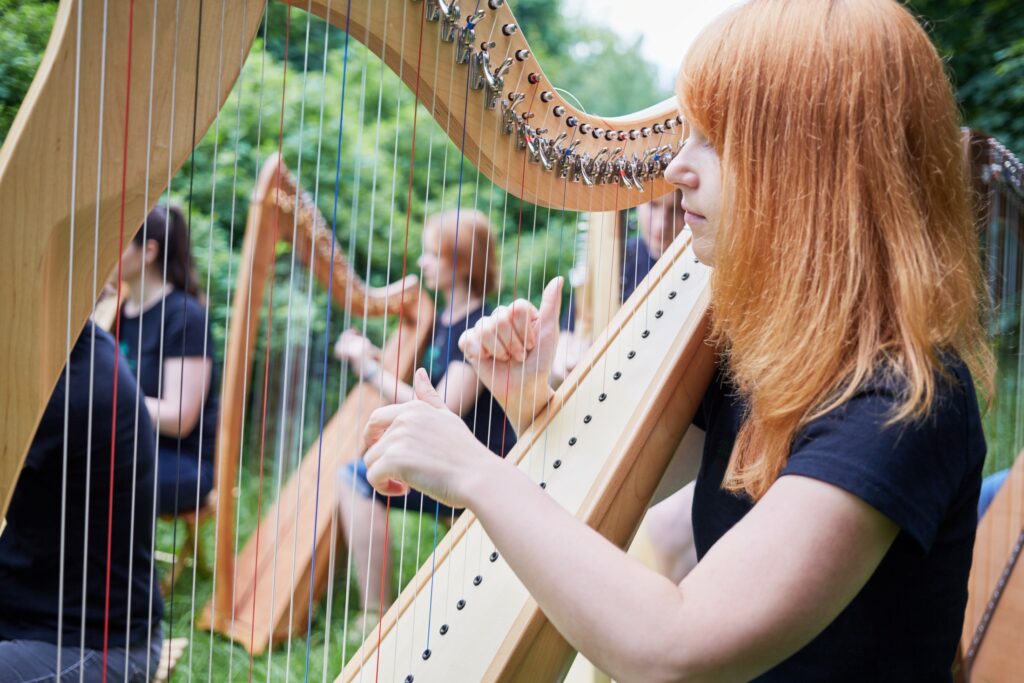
<point>512,351</point>
<point>356,349</point>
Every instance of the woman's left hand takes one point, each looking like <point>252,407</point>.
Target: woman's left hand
<point>423,445</point>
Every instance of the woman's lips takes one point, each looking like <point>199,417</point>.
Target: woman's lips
<point>691,217</point>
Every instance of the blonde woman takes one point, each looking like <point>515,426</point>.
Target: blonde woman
<point>833,515</point>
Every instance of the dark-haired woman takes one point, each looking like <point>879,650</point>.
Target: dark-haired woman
<point>165,337</point>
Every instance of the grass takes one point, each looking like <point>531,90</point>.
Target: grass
<point>332,637</point>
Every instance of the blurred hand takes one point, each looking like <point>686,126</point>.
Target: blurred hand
<point>423,445</point>
<point>513,348</point>
<point>356,349</point>
<point>571,347</point>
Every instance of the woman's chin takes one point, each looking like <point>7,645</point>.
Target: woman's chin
<point>704,250</point>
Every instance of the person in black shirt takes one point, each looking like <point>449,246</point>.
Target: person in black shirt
<point>833,514</point>
<point>165,338</point>
<point>458,262</point>
<point>659,222</point>
<point>72,459</point>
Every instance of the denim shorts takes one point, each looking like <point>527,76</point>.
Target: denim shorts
<point>354,474</point>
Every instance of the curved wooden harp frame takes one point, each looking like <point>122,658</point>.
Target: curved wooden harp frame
<point>67,197</point>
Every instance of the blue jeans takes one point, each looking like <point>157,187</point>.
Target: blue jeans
<point>411,501</point>
<point>989,488</point>
<point>35,661</point>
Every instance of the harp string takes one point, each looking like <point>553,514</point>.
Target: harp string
<point>67,335</point>
<point>353,220</point>
<point>138,390</point>
<point>305,373</point>
<point>92,349</point>
<point>247,345</point>
<point>207,385</point>
<point>160,370</point>
<point>323,397</point>
<point>408,216</point>
<point>270,316</point>
<point>287,372</point>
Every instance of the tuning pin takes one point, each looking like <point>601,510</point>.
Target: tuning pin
<point>559,110</point>
<point>533,78</point>
<point>522,55</point>
<point>547,96</point>
<point>495,4</point>
<point>509,29</point>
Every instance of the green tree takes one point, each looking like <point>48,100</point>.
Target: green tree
<point>24,29</point>
<point>983,42</point>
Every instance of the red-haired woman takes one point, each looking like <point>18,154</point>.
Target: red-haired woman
<point>834,511</point>
<point>458,262</point>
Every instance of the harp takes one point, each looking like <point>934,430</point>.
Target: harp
<point>261,585</point>
<point>139,107</point>
<point>990,645</point>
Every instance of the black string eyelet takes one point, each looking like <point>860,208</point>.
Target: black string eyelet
<point>617,375</point>
<point>587,419</point>
<point>672,294</point>
<point>426,654</point>
<point>557,464</point>
<point>659,313</point>
<point>408,679</point>
<point>602,396</point>
<point>460,604</point>
<point>631,355</point>
<point>572,441</point>
<point>543,484</point>
<point>477,580</point>
<point>645,334</point>
<point>444,629</point>
<point>494,556</point>
<point>685,276</point>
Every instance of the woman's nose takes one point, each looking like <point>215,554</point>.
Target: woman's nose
<point>680,173</point>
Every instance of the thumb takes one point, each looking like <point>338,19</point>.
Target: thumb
<point>551,305</point>
<point>425,390</point>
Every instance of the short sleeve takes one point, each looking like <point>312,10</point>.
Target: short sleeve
<point>911,471</point>
<point>185,329</point>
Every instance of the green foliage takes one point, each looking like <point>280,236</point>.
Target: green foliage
<point>983,41</point>
<point>24,29</point>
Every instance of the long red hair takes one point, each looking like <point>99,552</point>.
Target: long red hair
<point>846,245</point>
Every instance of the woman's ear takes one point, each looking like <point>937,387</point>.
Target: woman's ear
<point>151,253</point>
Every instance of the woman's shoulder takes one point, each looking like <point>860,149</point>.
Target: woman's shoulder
<point>179,304</point>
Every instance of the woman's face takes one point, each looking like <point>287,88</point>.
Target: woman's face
<point>435,268</point>
<point>131,261</point>
<point>696,170</point>
<point>660,221</point>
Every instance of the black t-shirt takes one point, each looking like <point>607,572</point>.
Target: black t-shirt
<point>636,264</point>
<point>30,557</point>
<point>486,419</point>
<point>905,623</point>
<point>185,334</point>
